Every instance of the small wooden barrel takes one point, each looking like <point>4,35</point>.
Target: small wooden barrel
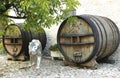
<point>88,37</point>
<point>16,41</point>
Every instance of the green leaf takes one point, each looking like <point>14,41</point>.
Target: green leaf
<point>39,13</point>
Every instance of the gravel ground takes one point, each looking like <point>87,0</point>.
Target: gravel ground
<point>56,69</point>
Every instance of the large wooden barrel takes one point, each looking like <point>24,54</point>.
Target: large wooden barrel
<point>16,41</point>
<point>88,37</point>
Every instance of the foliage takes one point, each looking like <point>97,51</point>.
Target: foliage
<point>13,31</point>
<point>72,20</point>
<point>1,46</point>
<point>2,51</point>
<point>37,13</point>
<point>3,24</point>
<point>54,47</point>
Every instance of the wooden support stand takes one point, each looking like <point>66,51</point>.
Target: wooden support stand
<point>56,54</point>
<point>22,57</point>
<point>90,64</point>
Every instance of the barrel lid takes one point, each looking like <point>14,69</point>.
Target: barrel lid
<point>12,40</point>
<point>77,40</point>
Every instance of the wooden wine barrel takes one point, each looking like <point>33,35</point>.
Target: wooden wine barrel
<point>16,41</point>
<point>87,37</point>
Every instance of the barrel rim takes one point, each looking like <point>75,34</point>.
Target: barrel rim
<point>95,33</point>
<point>96,17</point>
<point>118,33</point>
<point>3,37</point>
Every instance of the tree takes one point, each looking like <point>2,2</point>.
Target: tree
<point>37,13</point>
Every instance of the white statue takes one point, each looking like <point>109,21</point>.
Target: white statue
<point>35,49</point>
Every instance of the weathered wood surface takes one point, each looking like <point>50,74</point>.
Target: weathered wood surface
<point>77,37</point>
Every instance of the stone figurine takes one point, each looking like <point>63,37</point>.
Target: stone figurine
<point>35,52</point>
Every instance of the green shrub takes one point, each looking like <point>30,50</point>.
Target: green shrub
<point>54,47</point>
<point>1,45</point>
<point>2,51</point>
